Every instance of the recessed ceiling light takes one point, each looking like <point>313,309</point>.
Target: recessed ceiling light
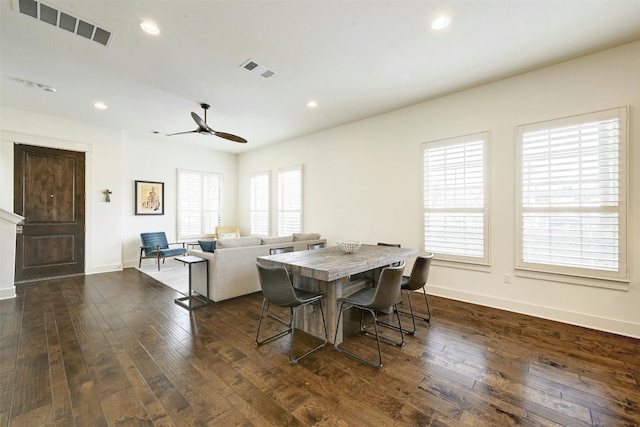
<point>150,27</point>
<point>100,105</point>
<point>312,104</point>
<point>441,22</point>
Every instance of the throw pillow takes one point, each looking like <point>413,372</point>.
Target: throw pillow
<point>207,245</point>
<point>305,236</point>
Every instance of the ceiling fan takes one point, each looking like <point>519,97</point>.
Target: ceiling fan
<point>204,129</point>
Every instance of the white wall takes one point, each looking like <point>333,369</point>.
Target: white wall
<point>363,181</point>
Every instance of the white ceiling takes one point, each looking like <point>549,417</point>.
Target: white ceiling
<point>356,58</point>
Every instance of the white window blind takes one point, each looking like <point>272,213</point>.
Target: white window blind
<point>260,204</point>
<point>289,201</point>
<point>572,196</point>
<point>455,189</point>
<point>199,204</point>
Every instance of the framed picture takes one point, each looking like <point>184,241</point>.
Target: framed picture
<point>149,198</point>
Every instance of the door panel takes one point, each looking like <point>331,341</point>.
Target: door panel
<point>49,193</point>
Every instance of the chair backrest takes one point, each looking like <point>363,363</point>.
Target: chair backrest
<point>320,245</point>
<point>393,245</point>
<point>388,288</point>
<point>276,286</point>
<point>284,250</point>
<point>150,241</point>
<point>227,229</point>
<point>419,273</point>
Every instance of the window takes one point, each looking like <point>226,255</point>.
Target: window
<point>260,204</point>
<point>572,195</point>
<point>289,201</point>
<point>456,219</point>
<point>199,204</point>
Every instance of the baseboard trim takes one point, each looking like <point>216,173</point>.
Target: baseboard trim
<point>8,293</point>
<point>578,319</point>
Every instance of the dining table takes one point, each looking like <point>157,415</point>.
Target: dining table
<point>329,271</point>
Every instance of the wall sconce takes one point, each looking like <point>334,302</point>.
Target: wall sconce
<point>107,192</point>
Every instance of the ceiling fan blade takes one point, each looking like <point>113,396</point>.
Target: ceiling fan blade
<point>181,133</point>
<point>230,137</point>
<point>202,125</point>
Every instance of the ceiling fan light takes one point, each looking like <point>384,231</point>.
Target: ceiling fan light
<point>441,22</point>
<point>150,27</point>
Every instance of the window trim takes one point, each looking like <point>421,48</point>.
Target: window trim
<point>576,275</point>
<point>461,260</point>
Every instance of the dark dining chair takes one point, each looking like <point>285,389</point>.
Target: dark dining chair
<point>283,250</point>
<point>392,245</point>
<point>320,245</point>
<point>279,291</point>
<point>417,280</point>
<point>386,294</point>
<point>277,251</point>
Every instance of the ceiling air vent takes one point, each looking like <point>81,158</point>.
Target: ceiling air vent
<point>64,20</point>
<point>254,67</point>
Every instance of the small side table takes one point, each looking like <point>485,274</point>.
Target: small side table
<point>192,245</point>
<point>194,299</point>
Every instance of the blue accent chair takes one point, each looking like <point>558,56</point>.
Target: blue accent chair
<point>155,245</point>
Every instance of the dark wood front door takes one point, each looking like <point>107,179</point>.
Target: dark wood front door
<point>49,193</point>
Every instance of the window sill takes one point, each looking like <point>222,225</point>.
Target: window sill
<point>618,285</point>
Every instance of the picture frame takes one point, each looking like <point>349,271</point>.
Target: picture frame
<point>149,198</point>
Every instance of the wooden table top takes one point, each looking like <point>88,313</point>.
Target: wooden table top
<point>332,263</point>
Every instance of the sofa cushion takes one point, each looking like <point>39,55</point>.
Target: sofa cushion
<point>273,240</point>
<point>238,242</point>
<point>207,245</point>
<point>305,236</point>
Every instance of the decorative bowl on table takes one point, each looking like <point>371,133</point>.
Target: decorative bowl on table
<point>349,246</point>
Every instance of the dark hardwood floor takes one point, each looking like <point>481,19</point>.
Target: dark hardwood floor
<point>113,349</point>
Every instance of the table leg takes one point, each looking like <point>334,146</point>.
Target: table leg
<point>311,321</point>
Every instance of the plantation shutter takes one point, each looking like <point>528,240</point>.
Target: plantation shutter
<point>199,204</point>
<point>455,220</point>
<point>572,196</point>
<point>289,201</point>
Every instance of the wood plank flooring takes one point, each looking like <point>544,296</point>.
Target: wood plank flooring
<point>114,350</point>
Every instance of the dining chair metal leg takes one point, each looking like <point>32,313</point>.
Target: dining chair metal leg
<point>409,313</point>
<point>376,321</point>
<point>290,330</point>
<point>375,334</point>
<point>356,356</point>
<point>326,337</point>
<point>273,316</point>
<point>412,313</point>
<point>273,337</point>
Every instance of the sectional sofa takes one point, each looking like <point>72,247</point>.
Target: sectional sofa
<point>232,265</point>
